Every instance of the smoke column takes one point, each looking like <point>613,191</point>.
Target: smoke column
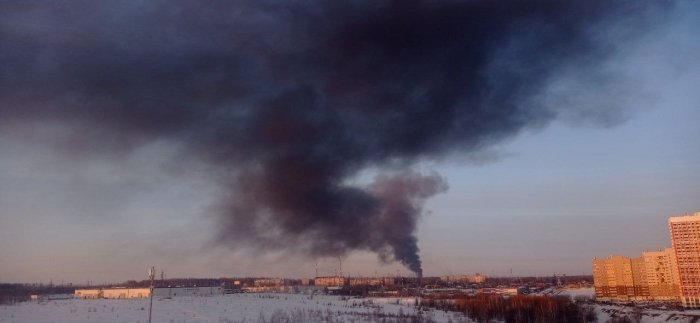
<point>287,101</point>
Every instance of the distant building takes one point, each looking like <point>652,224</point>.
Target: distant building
<point>685,237</point>
<point>388,281</point>
<point>366,281</point>
<point>330,281</point>
<point>464,279</point>
<point>88,293</point>
<point>125,293</point>
<point>268,282</point>
<point>188,291</point>
<point>49,297</point>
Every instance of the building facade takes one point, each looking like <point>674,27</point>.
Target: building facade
<point>88,293</point>
<point>671,274</point>
<point>187,291</point>
<point>269,282</point>
<point>613,279</point>
<point>366,281</point>
<point>464,279</point>
<point>651,277</point>
<point>329,281</point>
<point>126,292</point>
<point>112,293</point>
<point>123,293</point>
<point>662,274</point>
<point>685,237</point>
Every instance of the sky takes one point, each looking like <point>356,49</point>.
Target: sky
<point>115,157</point>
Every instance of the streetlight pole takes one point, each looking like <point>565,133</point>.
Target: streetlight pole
<point>151,275</point>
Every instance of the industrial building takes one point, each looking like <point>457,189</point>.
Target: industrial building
<point>88,293</point>
<point>464,279</point>
<point>187,291</point>
<point>370,281</point>
<point>125,292</point>
<point>268,282</point>
<point>330,281</point>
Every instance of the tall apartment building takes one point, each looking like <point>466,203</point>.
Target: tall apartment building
<point>671,274</point>
<point>662,274</point>
<point>619,278</point>
<point>651,277</point>
<point>685,237</point>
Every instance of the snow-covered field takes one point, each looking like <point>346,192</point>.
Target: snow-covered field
<point>606,312</point>
<point>226,308</point>
<point>253,308</point>
<point>576,292</point>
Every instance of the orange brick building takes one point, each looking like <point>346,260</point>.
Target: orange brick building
<point>685,237</point>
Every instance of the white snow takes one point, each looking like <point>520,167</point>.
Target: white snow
<point>225,308</point>
<point>577,292</point>
<point>605,312</point>
<point>267,307</point>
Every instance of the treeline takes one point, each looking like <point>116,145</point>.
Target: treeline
<point>547,280</point>
<point>516,309</point>
<point>12,293</point>
<point>187,282</point>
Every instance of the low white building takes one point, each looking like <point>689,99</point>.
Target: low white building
<point>112,293</point>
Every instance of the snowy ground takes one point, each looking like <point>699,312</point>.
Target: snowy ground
<point>576,292</point>
<point>253,308</point>
<point>226,308</point>
<point>606,312</point>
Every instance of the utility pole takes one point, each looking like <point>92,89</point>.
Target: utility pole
<point>340,267</point>
<point>151,275</point>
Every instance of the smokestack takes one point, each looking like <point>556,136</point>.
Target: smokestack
<point>285,102</point>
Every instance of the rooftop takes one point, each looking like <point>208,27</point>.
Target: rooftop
<point>685,218</point>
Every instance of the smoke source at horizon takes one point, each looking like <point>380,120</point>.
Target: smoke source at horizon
<point>289,100</point>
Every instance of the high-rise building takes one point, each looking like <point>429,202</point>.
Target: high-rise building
<point>685,236</point>
<point>640,286</point>
<point>662,274</point>
<point>671,274</point>
<point>619,278</point>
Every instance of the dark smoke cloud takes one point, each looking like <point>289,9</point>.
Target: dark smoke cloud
<point>291,99</point>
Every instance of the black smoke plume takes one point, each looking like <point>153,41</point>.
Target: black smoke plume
<point>290,100</point>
